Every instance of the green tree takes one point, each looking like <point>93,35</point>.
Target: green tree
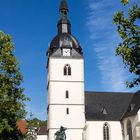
<point>35,122</point>
<point>11,94</point>
<point>129,49</point>
<point>124,2</point>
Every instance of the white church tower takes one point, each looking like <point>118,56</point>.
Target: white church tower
<point>66,105</point>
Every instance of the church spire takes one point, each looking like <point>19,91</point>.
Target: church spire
<point>63,7</point>
<point>64,23</point>
<point>64,38</point>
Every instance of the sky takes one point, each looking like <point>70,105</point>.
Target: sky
<point>33,24</point>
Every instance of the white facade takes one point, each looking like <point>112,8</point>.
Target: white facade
<point>138,127</point>
<point>66,110</point>
<point>71,134</point>
<point>94,130</point>
<point>41,137</point>
<point>135,123</point>
<point>139,115</point>
<point>69,111</point>
<point>56,70</point>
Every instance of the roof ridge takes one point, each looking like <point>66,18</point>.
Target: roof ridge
<point>109,92</point>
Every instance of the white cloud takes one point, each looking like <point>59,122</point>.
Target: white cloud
<point>100,5</point>
<point>105,39</point>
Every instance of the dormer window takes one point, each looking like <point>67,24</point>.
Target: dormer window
<point>103,111</point>
<point>67,70</point>
<point>132,107</point>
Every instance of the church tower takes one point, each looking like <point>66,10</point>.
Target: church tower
<point>66,105</point>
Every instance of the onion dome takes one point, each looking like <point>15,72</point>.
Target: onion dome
<point>64,38</point>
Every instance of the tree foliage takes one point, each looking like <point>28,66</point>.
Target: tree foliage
<point>11,94</point>
<point>35,122</point>
<point>129,30</point>
<point>124,2</point>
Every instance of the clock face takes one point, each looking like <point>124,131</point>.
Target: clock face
<point>66,52</point>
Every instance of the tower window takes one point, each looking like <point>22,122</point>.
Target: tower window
<point>64,28</point>
<point>67,69</point>
<point>67,94</point>
<point>106,132</point>
<point>67,111</point>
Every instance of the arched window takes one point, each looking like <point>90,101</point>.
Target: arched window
<point>129,130</point>
<point>67,69</point>
<point>106,132</point>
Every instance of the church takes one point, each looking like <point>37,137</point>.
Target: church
<point>86,115</point>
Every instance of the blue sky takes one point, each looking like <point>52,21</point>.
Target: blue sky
<point>32,24</point>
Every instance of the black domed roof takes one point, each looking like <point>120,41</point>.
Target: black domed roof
<point>65,40</point>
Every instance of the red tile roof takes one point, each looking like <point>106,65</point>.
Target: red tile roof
<point>42,130</point>
<point>22,126</point>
